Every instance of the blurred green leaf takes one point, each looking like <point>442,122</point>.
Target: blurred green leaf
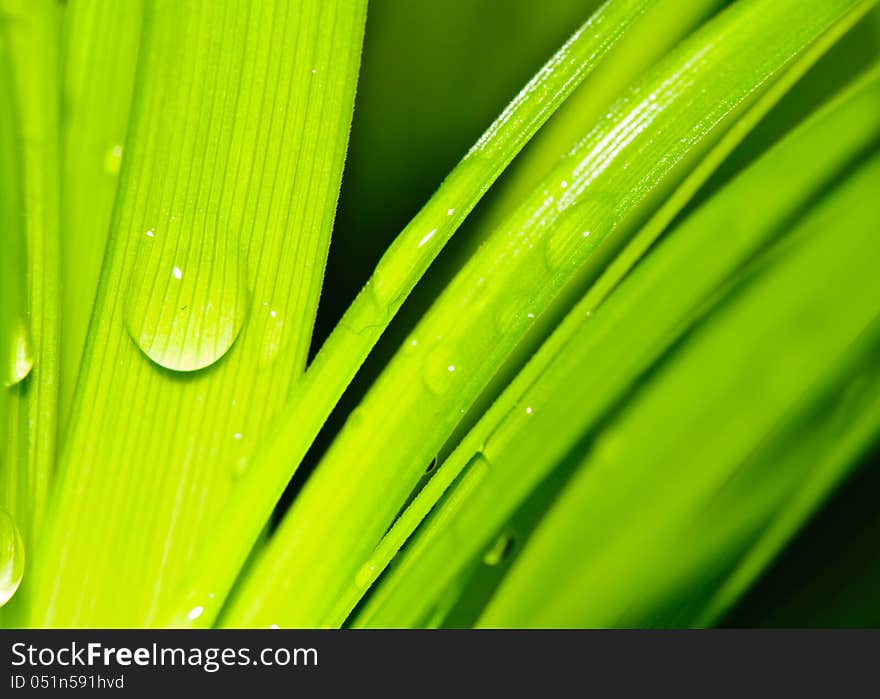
<point>599,352</point>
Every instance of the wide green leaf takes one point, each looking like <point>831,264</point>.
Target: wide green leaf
<point>232,165</point>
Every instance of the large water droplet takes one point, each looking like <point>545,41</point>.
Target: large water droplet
<point>185,308</point>
<point>11,557</point>
<point>20,359</point>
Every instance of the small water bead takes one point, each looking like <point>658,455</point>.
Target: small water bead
<point>113,160</point>
<point>274,337</point>
<point>514,310</point>
<point>365,575</point>
<point>500,550</point>
<point>390,274</point>
<point>195,612</point>
<point>11,557</point>
<point>185,318</point>
<point>367,313</point>
<point>428,236</point>
<point>410,346</point>
<point>585,224</point>
<point>20,359</point>
<point>439,371</point>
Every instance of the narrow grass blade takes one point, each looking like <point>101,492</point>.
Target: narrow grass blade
<point>663,26</point>
<point>547,251</point>
<point>204,310</point>
<point>773,349</point>
<point>100,47</point>
<point>593,359</point>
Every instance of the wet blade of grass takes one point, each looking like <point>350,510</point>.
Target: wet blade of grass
<point>30,32</point>
<point>773,349</point>
<point>557,241</point>
<point>100,47</point>
<point>233,160</point>
<point>598,353</point>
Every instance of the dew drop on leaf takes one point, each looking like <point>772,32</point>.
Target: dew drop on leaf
<point>500,550</point>
<point>364,577</point>
<point>273,332</point>
<point>113,160</point>
<point>20,357</point>
<point>11,558</point>
<point>584,224</point>
<point>185,308</point>
<point>440,372</point>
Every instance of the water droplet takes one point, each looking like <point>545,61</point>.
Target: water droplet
<point>428,236</point>
<point>364,577</point>
<point>185,308</point>
<point>21,355</point>
<point>113,160</point>
<point>368,312</point>
<point>273,333</point>
<point>432,464</point>
<point>195,612</point>
<point>449,212</point>
<point>514,310</point>
<point>439,371</point>
<point>274,626</point>
<point>239,466</point>
<point>411,346</point>
<point>11,558</point>
<point>528,411</point>
<point>584,224</point>
<point>500,550</point>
